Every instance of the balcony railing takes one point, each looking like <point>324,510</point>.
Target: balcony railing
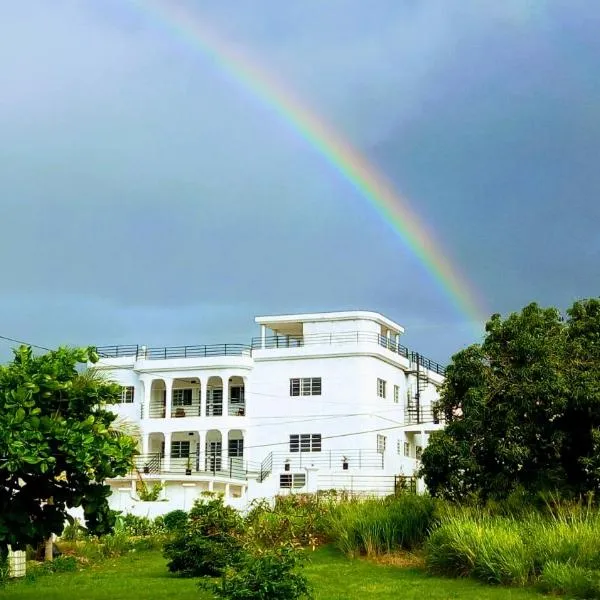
<point>346,338</point>
<point>276,341</point>
<point>162,353</point>
<point>205,463</point>
<point>328,459</point>
<point>414,415</point>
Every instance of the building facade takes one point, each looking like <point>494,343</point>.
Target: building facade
<point>315,402</point>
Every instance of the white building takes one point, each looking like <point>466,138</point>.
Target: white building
<point>316,402</point>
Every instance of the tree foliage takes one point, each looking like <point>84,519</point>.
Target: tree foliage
<point>56,445</point>
<point>523,408</point>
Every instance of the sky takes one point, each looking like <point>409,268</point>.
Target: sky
<point>148,197</point>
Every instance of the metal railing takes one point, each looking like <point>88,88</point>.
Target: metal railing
<point>157,353</point>
<point>345,338</point>
<point>328,459</point>
<point>266,467</point>
<point>237,409</point>
<point>270,342</point>
<point>206,463</point>
<point>415,415</point>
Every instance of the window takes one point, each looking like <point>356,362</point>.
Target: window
<point>127,393</point>
<point>380,443</point>
<point>180,449</point>
<point>236,394</point>
<point>292,480</point>
<point>399,447</point>
<point>182,397</point>
<point>307,386</point>
<point>418,452</point>
<point>236,448</point>
<point>381,388</point>
<point>406,448</point>
<point>305,442</point>
<point>396,394</point>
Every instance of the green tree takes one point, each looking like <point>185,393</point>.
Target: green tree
<point>523,408</point>
<point>56,445</point>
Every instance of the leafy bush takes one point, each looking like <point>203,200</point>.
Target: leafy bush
<point>570,580</point>
<point>175,520</point>
<point>378,526</point>
<point>210,542</point>
<point>263,575</point>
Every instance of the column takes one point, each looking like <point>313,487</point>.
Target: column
<point>203,396</point>
<point>201,458</point>
<point>224,450</point>
<point>167,458</point>
<point>263,336</point>
<point>145,444</point>
<point>147,387</point>
<point>227,490</point>
<point>226,395</point>
<point>168,397</point>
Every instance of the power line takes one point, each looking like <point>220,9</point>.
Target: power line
<point>9,339</point>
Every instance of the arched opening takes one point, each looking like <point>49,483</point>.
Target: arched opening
<point>235,453</point>
<point>214,451</point>
<point>214,397</point>
<point>237,401</point>
<point>158,399</point>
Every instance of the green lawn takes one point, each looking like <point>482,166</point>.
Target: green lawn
<point>141,576</point>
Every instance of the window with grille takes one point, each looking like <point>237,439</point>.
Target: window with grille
<point>381,388</point>
<point>182,397</point>
<point>180,449</point>
<point>305,442</point>
<point>406,448</point>
<point>127,394</point>
<point>236,448</point>
<point>306,386</point>
<point>381,443</point>
<point>399,447</point>
<point>396,394</point>
<point>292,480</point>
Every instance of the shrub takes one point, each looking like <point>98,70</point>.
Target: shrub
<point>567,579</point>
<point>175,520</point>
<point>209,543</point>
<point>148,494</point>
<point>378,526</point>
<point>61,564</point>
<point>263,575</point>
<point>136,526</point>
<point>73,532</point>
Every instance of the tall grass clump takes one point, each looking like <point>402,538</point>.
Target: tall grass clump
<point>382,525</point>
<point>557,548</point>
<point>490,549</point>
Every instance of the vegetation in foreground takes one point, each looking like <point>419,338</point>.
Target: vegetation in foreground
<point>144,576</point>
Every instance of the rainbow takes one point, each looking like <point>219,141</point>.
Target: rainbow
<point>335,150</point>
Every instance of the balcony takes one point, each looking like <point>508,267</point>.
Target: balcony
<point>417,415</point>
<point>203,464</point>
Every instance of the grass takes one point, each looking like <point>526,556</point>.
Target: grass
<point>144,576</point>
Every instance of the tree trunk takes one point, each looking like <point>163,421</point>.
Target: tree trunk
<point>48,548</point>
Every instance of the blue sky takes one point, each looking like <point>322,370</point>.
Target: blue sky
<point>147,198</point>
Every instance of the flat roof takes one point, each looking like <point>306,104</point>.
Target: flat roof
<point>290,324</point>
